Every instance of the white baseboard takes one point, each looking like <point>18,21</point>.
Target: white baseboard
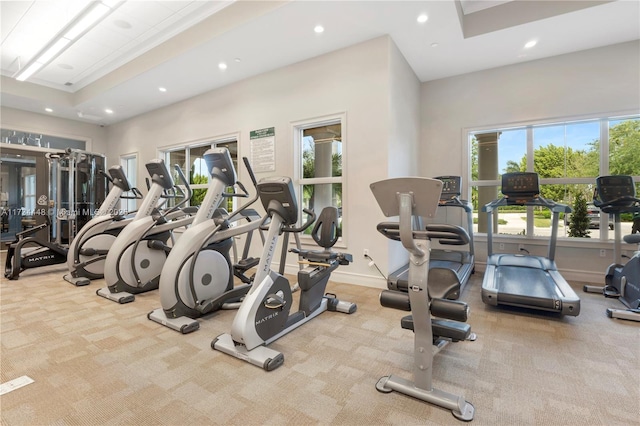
<point>376,281</point>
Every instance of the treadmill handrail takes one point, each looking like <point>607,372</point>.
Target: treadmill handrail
<point>626,204</point>
<point>537,201</point>
<point>556,209</point>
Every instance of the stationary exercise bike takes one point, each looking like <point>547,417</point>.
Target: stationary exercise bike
<point>263,316</point>
<point>409,198</point>
<point>191,289</point>
<point>90,246</point>
<point>627,278</point>
<point>135,259</point>
<point>615,195</point>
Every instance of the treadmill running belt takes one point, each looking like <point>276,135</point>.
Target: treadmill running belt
<point>526,287</point>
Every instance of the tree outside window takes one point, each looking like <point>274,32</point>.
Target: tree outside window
<point>567,158</point>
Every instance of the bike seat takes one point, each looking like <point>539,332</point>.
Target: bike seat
<point>632,238</point>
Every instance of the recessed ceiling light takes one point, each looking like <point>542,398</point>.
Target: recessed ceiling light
<point>222,66</point>
<point>319,29</point>
<point>530,44</point>
<point>48,109</point>
<point>423,18</point>
<point>162,89</point>
<point>108,111</point>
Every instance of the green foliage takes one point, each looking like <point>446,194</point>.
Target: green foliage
<point>308,171</point>
<point>579,222</point>
<point>624,148</point>
<point>198,194</point>
<point>542,214</point>
<point>541,222</point>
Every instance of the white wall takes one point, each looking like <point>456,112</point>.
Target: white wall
<point>592,82</point>
<point>354,80</point>
<point>395,125</point>
<point>404,137</point>
<point>41,123</point>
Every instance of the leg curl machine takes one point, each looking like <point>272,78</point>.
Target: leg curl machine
<point>409,198</point>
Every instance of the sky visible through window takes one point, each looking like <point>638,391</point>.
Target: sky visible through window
<point>578,136</point>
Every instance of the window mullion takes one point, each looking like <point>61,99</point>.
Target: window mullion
<point>530,168</point>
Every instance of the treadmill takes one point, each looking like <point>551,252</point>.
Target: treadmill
<point>449,270</point>
<point>524,280</point>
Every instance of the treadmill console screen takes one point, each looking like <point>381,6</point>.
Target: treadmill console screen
<point>520,185</point>
<point>450,187</point>
<point>610,188</point>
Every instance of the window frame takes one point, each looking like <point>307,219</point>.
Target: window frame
<point>529,126</point>
<point>129,205</point>
<point>297,129</point>
<point>212,142</point>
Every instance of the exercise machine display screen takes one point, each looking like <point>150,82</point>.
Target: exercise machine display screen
<point>611,188</point>
<point>159,173</point>
<point>279,190</point>
<point>520,184</point>
<point>450,187</point>
<point>118,177</point>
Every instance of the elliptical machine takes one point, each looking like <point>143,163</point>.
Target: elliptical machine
<point>134,261</point>
<point>263,316</point>
<point>90,246</point>
<point>615,195</point>
<point>408,198</point>
<point>190,288</point>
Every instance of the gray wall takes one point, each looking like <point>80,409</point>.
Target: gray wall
<point>594,82</point>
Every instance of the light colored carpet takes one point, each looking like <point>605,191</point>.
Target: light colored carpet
<point>96,362</point>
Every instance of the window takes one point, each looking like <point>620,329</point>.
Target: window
<point>129,164</point>
<point>567,156</point>
<point>320,164</point>
<point>191,162</point>
<point>29,192</point>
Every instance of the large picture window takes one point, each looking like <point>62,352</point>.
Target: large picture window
<point>567,156</point>
<point>191,161</point>
<point>320,158</point>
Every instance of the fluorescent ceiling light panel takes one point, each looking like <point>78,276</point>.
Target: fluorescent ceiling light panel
<point>29,70</point>
<point>87,19</point>
<point>53,51</point>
